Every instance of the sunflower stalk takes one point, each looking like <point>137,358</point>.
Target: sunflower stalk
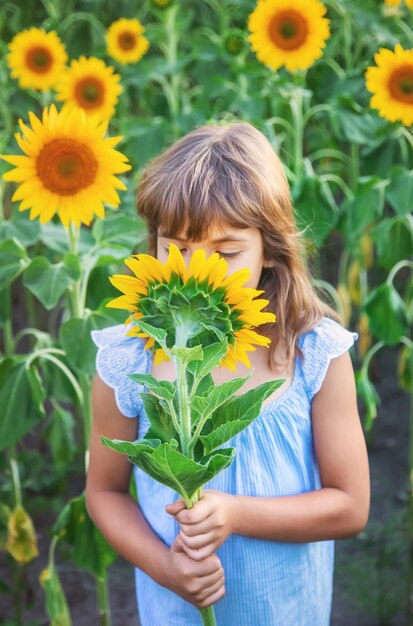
<point>198,320</point>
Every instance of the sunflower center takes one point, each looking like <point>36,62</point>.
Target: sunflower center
<point>288,29</point>
<point>39,59</point>
<point>401,84</point>
<point>89,92</point>
<point>127,41</point>
<point>66,166</point>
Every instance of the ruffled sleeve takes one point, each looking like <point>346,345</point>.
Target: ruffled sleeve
<point>321,344</point>
<point>118,356</point>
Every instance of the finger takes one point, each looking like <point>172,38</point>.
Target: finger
<point>175,507</point>
<point>200,555</point>
<point>210,565</point>
<point>210,588</point>
<point>212,599</point>
<point>200,511</point>
<point>195,543</point>
<point>201,528</point>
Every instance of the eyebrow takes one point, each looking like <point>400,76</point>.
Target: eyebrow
<point>221,240</point>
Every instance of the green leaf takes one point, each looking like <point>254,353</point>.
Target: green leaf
<point>37,389</point>
<point>314,207</point>
<point>88,547</point>
<point>24,230</point>
<point>157,333</point>
<point>160,418</point>
<point>387,314</point>
<point>366,206</point>
<point>400,191</point>
<point>13,260</point>
<point>46,281</point>
<point>188,355</point>
<point>54,236</point>
<point>71,263</point>
<point>171,468</point>
<point>76,341</point>
<point>366,390</point>
<point>20,410</point>
<point>212,357</point>
<point>162,388</point>
<point>235,415</point>
<point>60,436</point>
<point>206,405</point>
<point>56,604</point>
<point>394,240</point>
<point>119,229</point>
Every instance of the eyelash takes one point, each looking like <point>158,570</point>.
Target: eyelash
<point>228,255</point>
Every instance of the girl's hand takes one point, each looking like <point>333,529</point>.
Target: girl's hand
<point>202,584</point>
<point>206,526</point>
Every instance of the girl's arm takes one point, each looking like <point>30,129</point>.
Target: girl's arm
<point>338,510</point>
<point>108,501</point>
<point>121,521</point>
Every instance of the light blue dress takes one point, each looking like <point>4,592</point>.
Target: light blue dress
<point>268,583</point>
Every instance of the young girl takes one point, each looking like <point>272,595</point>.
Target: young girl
<point>260,543</point>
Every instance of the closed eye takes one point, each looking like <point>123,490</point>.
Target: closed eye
<point>223,254</point>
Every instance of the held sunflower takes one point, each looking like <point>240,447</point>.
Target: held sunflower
<point>391,83</point>
<point>199,302</point>
<point>36,58</point>
<point>69,167</point>
<point>288,32</point>
<point>90,85</point>
<point>125,41</point>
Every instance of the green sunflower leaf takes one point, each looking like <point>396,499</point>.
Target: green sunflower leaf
<point>162,388</point>
<point>212,356</point>
<point>235,415</point>
<point>206,405</point>
<point>171,468</point>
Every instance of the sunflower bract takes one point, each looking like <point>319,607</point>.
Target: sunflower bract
<point>200,303</point>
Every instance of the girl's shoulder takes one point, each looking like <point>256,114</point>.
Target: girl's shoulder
<point>119,355</point>
<point>326,340</point>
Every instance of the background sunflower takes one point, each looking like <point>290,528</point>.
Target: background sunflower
<point>36,58</point>
<point>125,41</point>
<point>91,85</point>
<point>288,32</point>
<point>391,82</point>
<point>69,168</point>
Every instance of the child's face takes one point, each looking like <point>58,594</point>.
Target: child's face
<point>242,248</point>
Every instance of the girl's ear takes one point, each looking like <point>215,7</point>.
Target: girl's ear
<point>268,264</point>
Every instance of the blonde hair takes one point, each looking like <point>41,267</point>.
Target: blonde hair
<point>230,174</point>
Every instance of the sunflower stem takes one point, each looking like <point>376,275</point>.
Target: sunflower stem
<point>183,396</point>
<point>75,289</point>
<point>296,104</point>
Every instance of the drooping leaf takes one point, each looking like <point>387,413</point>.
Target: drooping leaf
<point>88,547</point>
<point>387,314</point>
<point>56,604</point>
<point>21,536</point>
<point>13,260</point>
<point>46,281</point>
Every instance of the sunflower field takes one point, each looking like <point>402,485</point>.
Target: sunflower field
<point>90,91</point>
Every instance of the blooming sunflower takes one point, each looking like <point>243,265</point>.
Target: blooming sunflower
<point>288,32</point>
<point>391,82</point>
<point>36,58</point>
<point>125,41</point>
<point>68,169</point>
<point>91,85</point>
<point>200,298</point>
